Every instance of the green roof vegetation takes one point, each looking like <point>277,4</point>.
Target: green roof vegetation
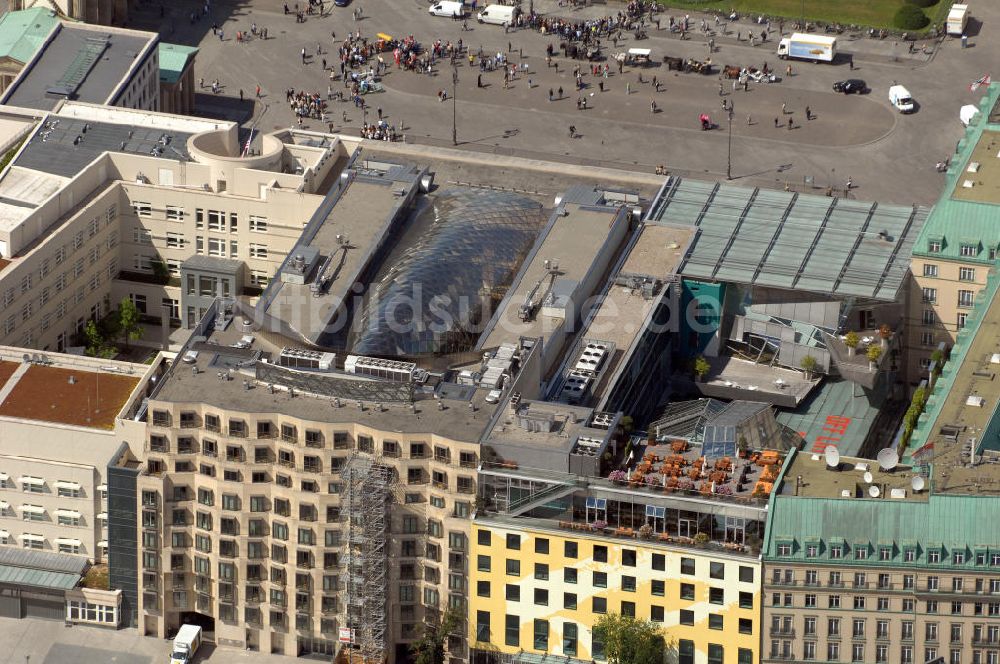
<point>173,59</point>
<point>22,33</point>
<point>965,216</point>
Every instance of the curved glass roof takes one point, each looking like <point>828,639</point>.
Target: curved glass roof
<point>431,300</point>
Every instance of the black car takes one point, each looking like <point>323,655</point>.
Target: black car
<point>851,85</point>
<point>341,3</point>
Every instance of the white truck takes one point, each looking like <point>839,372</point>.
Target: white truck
<point>448,8</point>
<point>818,48</point>
<point>958,18</point>
<point>185,644</point>
<point>498,14</point>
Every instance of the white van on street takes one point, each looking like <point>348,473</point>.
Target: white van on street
<point>448,9</point>
<point>901,99</point>
<point>498,14</point>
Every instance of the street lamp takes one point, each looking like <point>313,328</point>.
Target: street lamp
<point>454,103</point>
<point>729,156</point>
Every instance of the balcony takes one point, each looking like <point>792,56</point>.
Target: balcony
<point>835,584</point>
<point>984,641</point>
<point>784,582</point>
<point>287,463</point>
<point>437,484</point>
<point>783,632</point>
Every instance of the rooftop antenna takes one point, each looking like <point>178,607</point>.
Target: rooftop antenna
<point>832,456</point>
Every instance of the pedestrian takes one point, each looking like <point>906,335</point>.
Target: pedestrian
<point>652,106</point>
<point>600,85</point>
<point>656,84</point>
<point>560,92</point>
<point>776,123</point>
<point>303,53</point>
<point>788,71</point>
<point>746,85</point>
<point>257,92</point>
<point>510,47</point>
<point>784,108</point>
<point>550,94</point>
<point>808,113</point>
<point>749,121</point>
<point>201,82</point>
<point>850,62</point>
<point>720,90</point>
<point>530,84</point>
<point>734,85</point>
<point>789,123</point>
<point>241,94</point>
<point>850,183</point>
<point>479,80</point>
<point>628,88</point>
<point>379,110</point>
<point>324,64</point>
<point>319,51</point>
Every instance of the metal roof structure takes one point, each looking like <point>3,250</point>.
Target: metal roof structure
<point>64,146</point>
<point>23,32</point>
<point>40,569</point>
<point>82,62</point>
<point>174,59</point>
<point>967,215</point>
<point>792,241</point>
<point>838,412</point>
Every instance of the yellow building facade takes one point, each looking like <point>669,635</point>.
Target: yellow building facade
<point>539,590</point>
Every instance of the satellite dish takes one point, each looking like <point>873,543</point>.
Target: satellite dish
<point>873,491</point>
<point>868,477</point>
<point>887,459</point>
<point>832,455</point>
<point>917,483</point>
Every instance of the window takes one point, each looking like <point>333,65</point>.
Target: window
<point>966,298</point>
<point>569,639</point>
<point>716,596</point>
<point>258,250</point>
<point>483,588</point>
<point>656,613</point>
<point>541,597</point>
<point>968,249</point>
<point>687,566</point>
<point>628,557</point>
<point>746,600</point>
<point>966,274</point>
<point>686,617</point>
<point>513,542</point>
<point>746,574</point>
<point>541,571</point>
<point>715,651</point>
<point>142,209</point>
<point>784,549</point>
<point>513,567</point>
<point>628,584</point>
<point>258,224</point>
<point>570,549</point>
<point>746,626</point>
<point>717,570</point>
<point>934,246</point>
<point>928,295</point>
<point>930,270</point>
<point>928,317</point>
<point>512,593</point>
<point>569,601</point>
<point>569,575</point>
<point>927,339</point>
<point>541,640</point>
<point>600,580</point>
<point>600,553</point>
<point>599,605</point>
<point>657,588</point>
<point>715,621</point>
<point>687,591</point>
<point>512,631</point>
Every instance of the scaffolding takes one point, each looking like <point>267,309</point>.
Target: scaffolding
<point>366,560</point>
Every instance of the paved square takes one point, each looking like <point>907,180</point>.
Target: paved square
<point>62,654</point>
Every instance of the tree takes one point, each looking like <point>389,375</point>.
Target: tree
<point>430,648</point>
<point>96,345</point>
<point>809,364</point>
<point>701,366</point>
<point>128,321</point>
<point>910,17</point>
<point>874,353</point>
<point>852,340</point>
<point>630,640</point>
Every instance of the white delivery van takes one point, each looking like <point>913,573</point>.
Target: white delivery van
<point>901,99</point>
<point>186,644</point>
<point>958,18</point>
<point>498,14</point>
<point>448,8</point>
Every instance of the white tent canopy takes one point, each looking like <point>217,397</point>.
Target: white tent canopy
<point>966,113</point>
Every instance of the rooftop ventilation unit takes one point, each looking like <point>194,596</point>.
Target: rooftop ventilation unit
<point>302,358</point>
<point>394,370</point>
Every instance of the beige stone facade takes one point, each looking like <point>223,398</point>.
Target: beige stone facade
<point>242,522</point>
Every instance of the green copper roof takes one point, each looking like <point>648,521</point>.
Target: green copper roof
<point>951,522</point>
<point>953,221</point>
<point>22,33</point>
<point>173,59</point>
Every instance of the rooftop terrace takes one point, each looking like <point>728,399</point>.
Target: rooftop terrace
<point>80,62</point>
<point>793,241</point>
<point>979,180</point>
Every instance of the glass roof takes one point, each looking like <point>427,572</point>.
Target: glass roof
<point>431,300</point>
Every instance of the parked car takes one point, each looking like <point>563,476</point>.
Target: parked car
<point>341,3</point>
<point>850,86</point>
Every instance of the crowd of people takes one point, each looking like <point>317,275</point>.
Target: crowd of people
<point>306,104</point>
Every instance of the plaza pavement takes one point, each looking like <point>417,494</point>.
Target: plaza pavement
<point>888,156</point>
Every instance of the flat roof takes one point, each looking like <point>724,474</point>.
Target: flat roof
<point>87,62</point>
<point>360,215</point>
<point>574,241</point>
<point>793,241</point>
<point>963,412</point>
<point>622,313</point>
<point>63,146</point>
<point>979,179</point>
<point>61,395</point>
<point>836,413</point>
<point>7,370</point>
<point>454,419</point>
<point>820,482</point>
